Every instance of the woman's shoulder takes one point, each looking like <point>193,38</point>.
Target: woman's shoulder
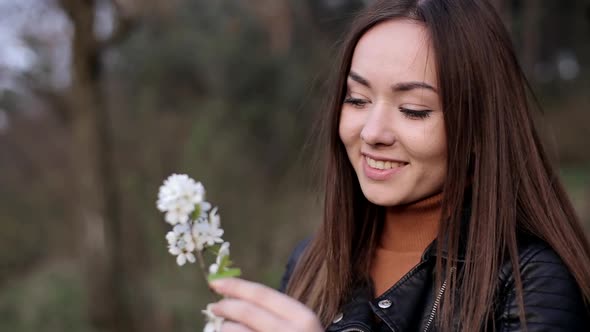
<point>551,295</point>
<point>536,257</point>
<point>533,251</point>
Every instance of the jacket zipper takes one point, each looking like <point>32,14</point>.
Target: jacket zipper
<point>437,300</point>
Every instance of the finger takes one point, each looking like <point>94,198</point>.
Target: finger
<point>273,301</point>
<point>234,327</point>
<point>248,314</point>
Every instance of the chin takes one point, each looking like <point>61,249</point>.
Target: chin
<point>382,199</point>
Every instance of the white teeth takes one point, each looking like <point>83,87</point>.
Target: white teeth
<point>379,164</point>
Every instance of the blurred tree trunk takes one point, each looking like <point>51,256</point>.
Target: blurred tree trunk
<point>277,18</point>
<point>95,194</point>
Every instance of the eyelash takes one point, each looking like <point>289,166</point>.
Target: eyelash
<point>415,114</point>
<point>358,103</point>
<point>409,113</point>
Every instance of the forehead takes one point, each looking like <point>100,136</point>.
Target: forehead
<point>395,51</point>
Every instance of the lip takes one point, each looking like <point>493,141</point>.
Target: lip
<point>364,154</point>
<point>380,174</point>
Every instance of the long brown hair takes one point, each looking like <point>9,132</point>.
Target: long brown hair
<point>493,149</point>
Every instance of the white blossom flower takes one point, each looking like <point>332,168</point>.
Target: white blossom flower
<point>178,196</point>
<point>171,238</point>
<point>208,232</point>
<point>213,322</point>
<point>181,229</point>
<point>181,244</point>
<point>214,218</point>
<point>204,208</point>
<point>223,252</point>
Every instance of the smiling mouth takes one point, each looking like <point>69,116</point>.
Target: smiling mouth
<point>384,164</point>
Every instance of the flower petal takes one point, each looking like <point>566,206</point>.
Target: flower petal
<point>180,260</point>
<point>171,237</point>
<point>190,257</point>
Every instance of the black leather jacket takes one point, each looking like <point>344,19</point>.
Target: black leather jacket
<point>552,298</point>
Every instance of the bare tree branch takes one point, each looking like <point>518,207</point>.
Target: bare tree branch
<point>56,100</point>
<point>125,22</point>
<point>69,7</point>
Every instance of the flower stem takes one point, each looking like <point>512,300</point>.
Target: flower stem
<point>204,272</point>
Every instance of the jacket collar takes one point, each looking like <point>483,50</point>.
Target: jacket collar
<point>400,308</point>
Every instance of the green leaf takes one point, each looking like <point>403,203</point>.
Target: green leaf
<point>225,262</point>
<point>229,273</point>
<point>197,212</point>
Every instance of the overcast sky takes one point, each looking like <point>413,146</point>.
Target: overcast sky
<point>40,21</point>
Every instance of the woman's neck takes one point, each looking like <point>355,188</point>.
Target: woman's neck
<point>412,227</point>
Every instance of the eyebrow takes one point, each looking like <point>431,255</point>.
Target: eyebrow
<point>398,87</point>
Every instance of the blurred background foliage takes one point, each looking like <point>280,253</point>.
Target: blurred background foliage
<point>100,100</point>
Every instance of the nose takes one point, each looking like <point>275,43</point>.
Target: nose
<point>378,128</point>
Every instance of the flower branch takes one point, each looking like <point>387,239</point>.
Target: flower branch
<point>196,230</point>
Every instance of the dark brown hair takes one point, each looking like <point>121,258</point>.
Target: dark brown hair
<point>493,149</point>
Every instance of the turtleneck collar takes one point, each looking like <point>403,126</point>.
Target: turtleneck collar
<point>411,227</point>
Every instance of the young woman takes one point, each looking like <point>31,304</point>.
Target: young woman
<point>442,211</point>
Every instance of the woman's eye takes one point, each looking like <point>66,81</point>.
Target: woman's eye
<point>356,102</point>
<point>415,114</point>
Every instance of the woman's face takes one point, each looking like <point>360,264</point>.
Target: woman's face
<point>392,122</point>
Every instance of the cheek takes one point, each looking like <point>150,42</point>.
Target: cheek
<point>349,129</point>
<point>437,152</point>
<point>439,146</point>
<point>429,146</point>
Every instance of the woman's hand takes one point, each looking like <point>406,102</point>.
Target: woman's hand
<point>252,307</point>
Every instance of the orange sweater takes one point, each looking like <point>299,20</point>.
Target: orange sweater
<point>407,231</point>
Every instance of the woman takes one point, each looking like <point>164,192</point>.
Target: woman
<point>442,211</point>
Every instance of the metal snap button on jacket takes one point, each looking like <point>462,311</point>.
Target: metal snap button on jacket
<point>338,318</point>
<point>384,304</point>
